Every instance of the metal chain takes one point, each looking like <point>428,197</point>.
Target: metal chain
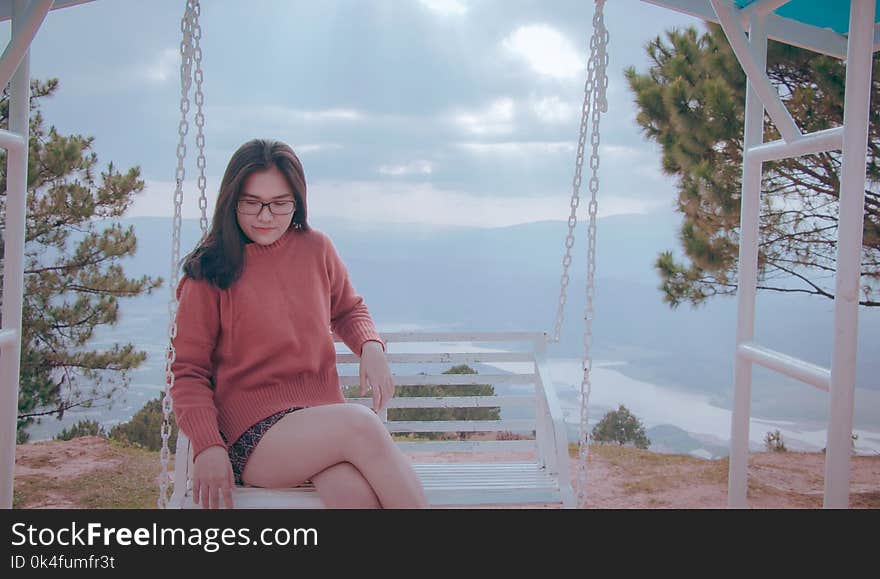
<point>200,119</point>
<point>595,103</point>
<point>186,59</point>
<point>575,202</point>
<point>599,60</point>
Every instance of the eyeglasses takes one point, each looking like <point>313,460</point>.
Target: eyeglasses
<point>251,207</point>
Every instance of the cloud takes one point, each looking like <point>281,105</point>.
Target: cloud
<point>499,116</point>
<point>157,199</point>
<point>519,147</point>
<point>616,153</point>
<point>331,115</point>
<point>165,67</point>
<point>316,147</point>
<point>547,51</point>
<point>553,110</point>
<point>420,167</point>
<point>496,118</point>
<point>396,202</point>
<point>424,203</point>
<point>635,161</point>
<point>276,117</point>
<point>445,7</point>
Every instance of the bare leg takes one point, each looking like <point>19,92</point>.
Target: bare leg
<point>309,441</point>
<point>342,486</point>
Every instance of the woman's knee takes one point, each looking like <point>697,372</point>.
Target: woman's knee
<point>367,430</point>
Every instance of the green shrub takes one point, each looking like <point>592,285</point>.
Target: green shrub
<point>773,442</point>
<point>82,428</point>
<point>144,430</point>
<point>441,414</point>
<point>621,427</point>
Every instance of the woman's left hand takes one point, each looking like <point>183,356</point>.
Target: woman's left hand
<point>374,371</point>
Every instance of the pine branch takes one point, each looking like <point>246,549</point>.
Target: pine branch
<point>94,258</point>
<point>816,265</point>
<point>793,273</point>
<point>65,407</point>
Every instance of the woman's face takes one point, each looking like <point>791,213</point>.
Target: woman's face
<point>267,185</point>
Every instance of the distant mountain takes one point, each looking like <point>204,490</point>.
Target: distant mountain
<point>508,278</point>
<point>465,278</point>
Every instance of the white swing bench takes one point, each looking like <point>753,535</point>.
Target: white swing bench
<point>541,479</point>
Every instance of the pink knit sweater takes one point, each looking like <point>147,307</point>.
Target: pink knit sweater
<point>264,344</point>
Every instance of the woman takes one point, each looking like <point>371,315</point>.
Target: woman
<point>255,382</point>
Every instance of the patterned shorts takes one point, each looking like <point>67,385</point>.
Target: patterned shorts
<point>241,449</point>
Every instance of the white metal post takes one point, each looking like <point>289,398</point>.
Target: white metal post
<point>755,66</point>
<point>748,274</point>
<point>13,271</point>
<point>849,250</point>
<point>542,415</point>
<point>26,22</point>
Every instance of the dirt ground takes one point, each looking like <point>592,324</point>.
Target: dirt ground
<point>52,474</point>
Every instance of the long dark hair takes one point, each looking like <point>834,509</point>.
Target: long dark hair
<point>220,257</point>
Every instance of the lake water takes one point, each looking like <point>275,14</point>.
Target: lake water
<point>657,405</point>
<point>654,405</point>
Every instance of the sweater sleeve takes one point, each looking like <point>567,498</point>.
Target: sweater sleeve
<point>198,327</point>
<point>349,317</point>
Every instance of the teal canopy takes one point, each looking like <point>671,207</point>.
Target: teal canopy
<point>818,25</point>
<point>833,14</point>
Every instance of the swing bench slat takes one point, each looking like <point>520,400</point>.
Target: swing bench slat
<point>530,424</point>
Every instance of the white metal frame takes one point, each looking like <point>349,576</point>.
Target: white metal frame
<point>541,480</point>
<point>857,49</point>
<point>785,30</point>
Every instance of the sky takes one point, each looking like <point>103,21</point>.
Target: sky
<point>440,112</point>
<point>416,112</point>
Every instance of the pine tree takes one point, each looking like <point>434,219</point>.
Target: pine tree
<point>144,429</point>
<point>71,291</point>
<point>691,102</point>
<point>621,427</point>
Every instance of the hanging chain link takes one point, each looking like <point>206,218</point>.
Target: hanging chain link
<point>200,120</point>
<point>188,24</point>
<point>595,103</point>
<point>575,188</point>
<point>599,60</point>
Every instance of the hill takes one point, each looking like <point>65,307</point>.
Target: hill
<point>92,472</point>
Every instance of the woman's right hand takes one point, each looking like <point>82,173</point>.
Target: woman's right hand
<point>212,475</point>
